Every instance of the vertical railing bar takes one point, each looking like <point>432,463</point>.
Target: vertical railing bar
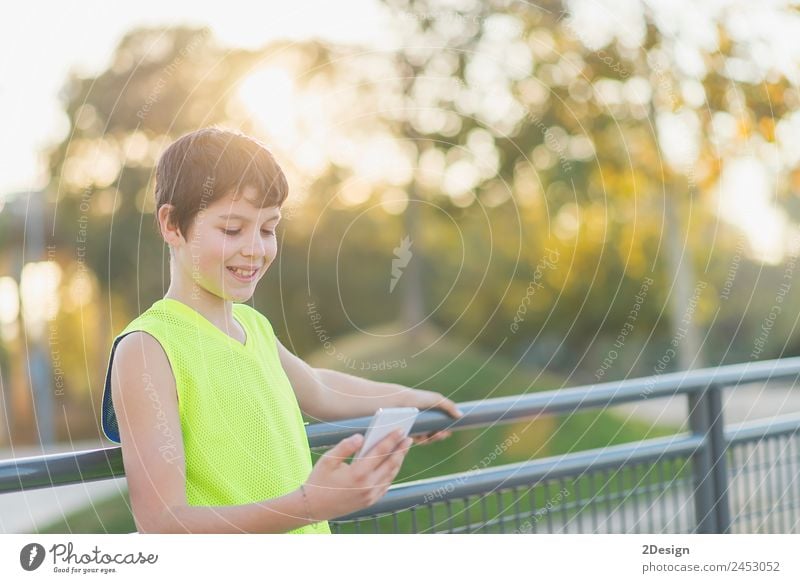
<point>771,485</point>
<point>546,510</point>
<point>719,466</point>
<point>759,452</point>
<point>622,499</point>
<point>449,504</point>
<point>676,466</point>
<point>747,458</point>
<point>791,477</point>
<point>796,477</point>
<point>662,496</point>
<point>773,451</point>
<point>651,506</point>
<point>757,485</point>
<point>500,509</point>
<point>744,487</point>
<point>735,486</point>
<point>467,511</point>
<point>431,525</point>
<point>751,485</point>
<point>775,448</point>
<point>582,492</point>
<point>564,512</point>
<point>517,510</point>
<point>484,513</point>
<point>785,483</point>
<point>744,483</point>
<point>796,474</point>
<point>702,462</point>
<point>607,476</point>
<point>683,490</point>
<point>634,492</point>
<point>686,521</point>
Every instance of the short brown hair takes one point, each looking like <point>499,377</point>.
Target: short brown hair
<point>205,165</point>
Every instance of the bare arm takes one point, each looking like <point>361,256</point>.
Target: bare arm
<point>328,395</point>
<point>145,399</point>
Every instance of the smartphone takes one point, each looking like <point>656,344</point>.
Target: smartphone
<point>384,422</point>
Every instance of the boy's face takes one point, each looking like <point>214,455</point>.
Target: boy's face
<point>229,234</point>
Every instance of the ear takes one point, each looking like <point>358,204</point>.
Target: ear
<point>169,231</point>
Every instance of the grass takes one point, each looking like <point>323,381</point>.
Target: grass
<point>109,516</point>
<point>463,376</point>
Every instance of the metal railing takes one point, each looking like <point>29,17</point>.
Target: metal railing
<point>712,479</point>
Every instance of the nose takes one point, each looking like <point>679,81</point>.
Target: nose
<point>256,248</point>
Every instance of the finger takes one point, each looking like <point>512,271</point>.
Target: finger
<point>432,437</point>
<point>450,408</point>
<point>342,450</point>
<point>391,466</point>
<point>423,439</point>
<point>375,456</point>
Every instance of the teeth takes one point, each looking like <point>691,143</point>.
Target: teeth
<point>243,273</point>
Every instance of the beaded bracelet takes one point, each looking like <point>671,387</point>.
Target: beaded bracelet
<point>305,501</point>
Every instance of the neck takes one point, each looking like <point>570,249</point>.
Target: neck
<point>215,309</point>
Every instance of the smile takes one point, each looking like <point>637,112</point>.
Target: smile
<point>243,275</point>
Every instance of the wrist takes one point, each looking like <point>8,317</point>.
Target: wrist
<point>407,397</point>
<point>308,513</point>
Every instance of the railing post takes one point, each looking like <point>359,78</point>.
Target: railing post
<point>719,449</point>
<point>702,463</point>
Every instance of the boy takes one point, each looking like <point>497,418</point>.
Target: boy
<point>204,399</point>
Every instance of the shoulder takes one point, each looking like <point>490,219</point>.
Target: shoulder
<point>140,356</point>
<point>138,341</point>
<point>140,353</point>
<point>140,374</point>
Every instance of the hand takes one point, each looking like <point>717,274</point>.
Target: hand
<point>432,400</point>
<point>335,488</point>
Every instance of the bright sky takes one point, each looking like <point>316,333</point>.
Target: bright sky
<point>40,42</point>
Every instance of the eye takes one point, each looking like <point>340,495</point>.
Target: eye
<point>268,232</point>
<point>231,232</point>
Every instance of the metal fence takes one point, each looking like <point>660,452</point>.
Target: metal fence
<point>712,479</point>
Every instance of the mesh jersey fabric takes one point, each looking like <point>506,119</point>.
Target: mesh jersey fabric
<point>243,434</point>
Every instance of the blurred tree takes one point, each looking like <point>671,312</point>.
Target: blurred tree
<point>610,143</point>
<point>504,174</point>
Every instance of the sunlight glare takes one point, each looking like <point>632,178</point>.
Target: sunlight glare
<point>269,94</point>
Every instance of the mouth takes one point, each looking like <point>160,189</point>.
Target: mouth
<point>244,275</point>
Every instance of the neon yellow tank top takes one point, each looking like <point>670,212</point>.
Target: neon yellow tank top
<point>243,434</point>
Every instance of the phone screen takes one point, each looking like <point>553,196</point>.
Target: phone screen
<point>384,422</point>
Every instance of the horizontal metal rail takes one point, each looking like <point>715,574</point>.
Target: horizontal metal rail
<point>760,429</point>
<point>527,406</point>
<point>61,469</point>
<point>409,494</point>
<point>98,464</point>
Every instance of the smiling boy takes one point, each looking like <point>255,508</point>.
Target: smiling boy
<point>202,377</point>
